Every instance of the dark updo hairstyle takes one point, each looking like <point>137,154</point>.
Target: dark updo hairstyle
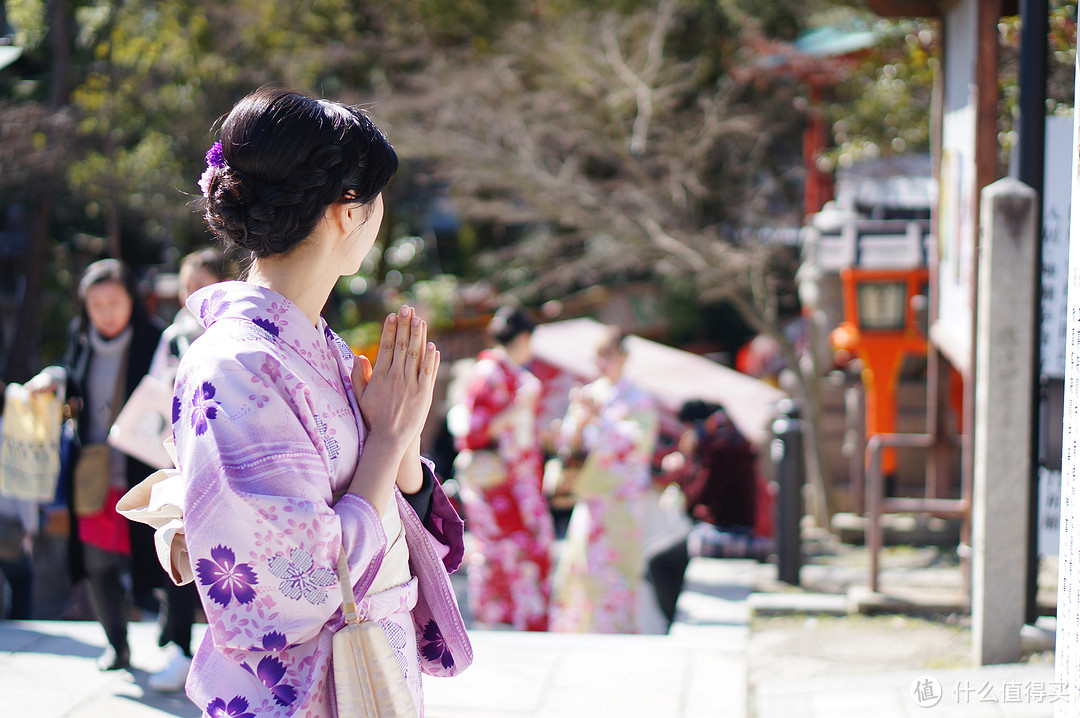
<point>508,324</point>
<point>286,158</point>
<point>696,410</point>
<point>109,270</point>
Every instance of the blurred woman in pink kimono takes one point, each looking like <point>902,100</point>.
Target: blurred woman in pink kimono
<point>292,450</point>
<point>500,469</point>
<point>601,567</point>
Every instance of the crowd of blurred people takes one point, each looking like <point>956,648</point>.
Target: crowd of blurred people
<point>112,345</point>
<point>624,551</point>
<point>600,572</point>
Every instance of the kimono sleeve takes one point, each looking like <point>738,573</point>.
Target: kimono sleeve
<point>442,523</point>
<point>623,429</point>
<point>262,530</point>
<point>436,548</point>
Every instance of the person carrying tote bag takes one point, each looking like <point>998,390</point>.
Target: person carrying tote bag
<point>598,577</point>
<point>110,345</point>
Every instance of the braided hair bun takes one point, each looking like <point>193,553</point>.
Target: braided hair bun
<point>285,158</point>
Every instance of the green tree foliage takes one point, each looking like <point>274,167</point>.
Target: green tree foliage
<point>880,103</point>
<point>150,79</point>
<point>163,73</point>
<point>604,125</point>
<point>1060,75</point>
<point>109,112</point>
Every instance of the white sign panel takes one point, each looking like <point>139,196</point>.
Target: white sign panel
<point>952,329</point>
<point>1067,653</point>
<point>1055,262</point>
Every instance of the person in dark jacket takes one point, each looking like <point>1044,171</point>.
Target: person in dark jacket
<point>716,468</point>
<point>110,346</point>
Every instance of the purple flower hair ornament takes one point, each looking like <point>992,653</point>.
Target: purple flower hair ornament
<point>214,160</point>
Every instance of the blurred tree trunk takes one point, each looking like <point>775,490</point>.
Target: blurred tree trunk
<point>808,381</point>
<point>24,355</point>
<point>60,33</point>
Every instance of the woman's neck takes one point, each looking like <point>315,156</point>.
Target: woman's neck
<point>500,351</point>
<point>110,345</point>
<point>304,276</point>
<point>614,377</point>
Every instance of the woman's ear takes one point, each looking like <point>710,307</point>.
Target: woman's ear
<point>345,216</point>
<point>337,217</point>
<point>352,215</point>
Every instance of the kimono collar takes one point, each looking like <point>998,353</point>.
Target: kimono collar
<point>277,316</point>
<point>622,388</point>
<point>499,356</point>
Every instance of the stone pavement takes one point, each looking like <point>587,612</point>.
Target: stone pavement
<point>47,671</point>
<point>838,650</point>
<point>1011,691</point>
<point>701,669</point>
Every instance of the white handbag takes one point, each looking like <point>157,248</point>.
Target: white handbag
<point>368,681</point>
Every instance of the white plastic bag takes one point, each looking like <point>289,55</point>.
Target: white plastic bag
<point>30,451</point>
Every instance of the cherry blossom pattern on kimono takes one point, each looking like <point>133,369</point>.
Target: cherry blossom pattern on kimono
<point>267,432</point>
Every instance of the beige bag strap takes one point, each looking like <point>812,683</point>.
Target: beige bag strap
<point>348,601</point>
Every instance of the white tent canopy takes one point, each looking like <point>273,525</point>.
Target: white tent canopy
<point>671,375</point>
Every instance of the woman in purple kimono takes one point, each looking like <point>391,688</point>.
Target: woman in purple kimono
<point>291,450</point>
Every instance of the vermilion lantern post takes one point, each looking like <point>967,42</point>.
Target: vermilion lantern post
<point>880,328</point>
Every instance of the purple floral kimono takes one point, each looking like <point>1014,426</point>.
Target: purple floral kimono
<point>268,435</point>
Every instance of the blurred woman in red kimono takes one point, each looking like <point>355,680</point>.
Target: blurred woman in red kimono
<point>500,469</point>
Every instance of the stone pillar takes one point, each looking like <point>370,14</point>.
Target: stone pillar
<point>1003,419</point>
